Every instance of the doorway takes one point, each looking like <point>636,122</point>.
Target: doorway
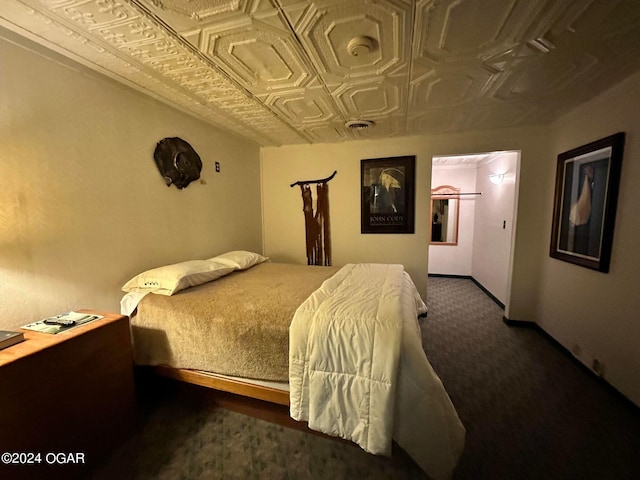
<point>487,207</point>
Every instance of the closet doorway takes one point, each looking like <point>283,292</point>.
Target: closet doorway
<point>485,213</point>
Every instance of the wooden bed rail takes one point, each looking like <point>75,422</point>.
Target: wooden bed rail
<point>216,382</point>
<point>264,403</point>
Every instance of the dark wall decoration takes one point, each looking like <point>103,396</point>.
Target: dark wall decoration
<point>587,181</point>
<point>178,162</point>
<point>317,225</point>
<point>388,194</point>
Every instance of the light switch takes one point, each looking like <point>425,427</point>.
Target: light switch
<point>218,167</point>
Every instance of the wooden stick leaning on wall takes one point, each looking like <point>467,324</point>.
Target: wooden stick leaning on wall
<point>317,226</point>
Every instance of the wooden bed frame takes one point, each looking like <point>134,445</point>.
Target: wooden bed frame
<point>224,384</point>
<point>264,403</point>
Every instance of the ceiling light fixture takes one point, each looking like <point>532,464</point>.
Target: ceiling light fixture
<point>359,124</point>
<point>360,46</point>
<point>496,178</point>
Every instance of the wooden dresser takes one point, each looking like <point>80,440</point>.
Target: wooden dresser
<point>70,394</point>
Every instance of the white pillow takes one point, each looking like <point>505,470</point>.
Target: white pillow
<point>170,279</point>
<point>239,259</point>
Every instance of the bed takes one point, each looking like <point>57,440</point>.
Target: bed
<point>340,346</point>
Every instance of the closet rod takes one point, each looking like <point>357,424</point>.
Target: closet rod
<point>323,180</point>
<point>454,194</point>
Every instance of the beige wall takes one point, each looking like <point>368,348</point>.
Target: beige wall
<point>598,313</point>
<point>283,225</point>
<point>283,221</point>
<point>82,205</point>
<point>494,222</point>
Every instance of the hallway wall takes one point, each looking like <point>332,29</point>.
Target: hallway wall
<point>595,314</point>
<point>494,225</point>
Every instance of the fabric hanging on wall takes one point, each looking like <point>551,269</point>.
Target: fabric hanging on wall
<point>317,226</point>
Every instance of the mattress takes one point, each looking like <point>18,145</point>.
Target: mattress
<point>237,325</point>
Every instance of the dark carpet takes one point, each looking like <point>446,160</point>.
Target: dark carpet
<point>531,412</point>
<point>181,437</point>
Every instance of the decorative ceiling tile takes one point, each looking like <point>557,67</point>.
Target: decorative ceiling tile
<point>452,88</point>
<point>258,56</point>
<point>292,71</point>
<point>326,28</point>
<point>305,106</point>
<point>434,121</point>
<point>502,115</point>
<point>546,74</point>
<point>371,99</point>
<point>461,30</point>
<point>201,9</point>
<point>328,132</point>
<point>91,15</point>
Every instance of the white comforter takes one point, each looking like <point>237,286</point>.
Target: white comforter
<point>357,369</point>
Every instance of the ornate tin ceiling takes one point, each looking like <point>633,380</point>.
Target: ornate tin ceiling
<point>294,71</point>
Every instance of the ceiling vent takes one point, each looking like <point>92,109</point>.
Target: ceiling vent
<point>359,124</point>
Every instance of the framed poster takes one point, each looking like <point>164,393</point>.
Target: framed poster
<point>587,181</point>
<point>388,194</point>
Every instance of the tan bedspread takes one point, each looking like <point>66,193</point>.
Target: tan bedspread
<point>237,325</point>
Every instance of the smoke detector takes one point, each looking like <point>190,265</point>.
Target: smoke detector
<point>358,124</point>
<point>360,46</point>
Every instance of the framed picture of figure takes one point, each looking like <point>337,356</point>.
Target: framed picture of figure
<point>388,194</point>
<point>587,182</point>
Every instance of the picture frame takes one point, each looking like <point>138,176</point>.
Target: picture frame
<point>586,196</point>
<point>388,194</point>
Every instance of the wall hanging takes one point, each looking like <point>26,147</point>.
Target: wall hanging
<point>178,162</point>
<point>584,212</point>
<point>317,225</point>
<point>388,189</point>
